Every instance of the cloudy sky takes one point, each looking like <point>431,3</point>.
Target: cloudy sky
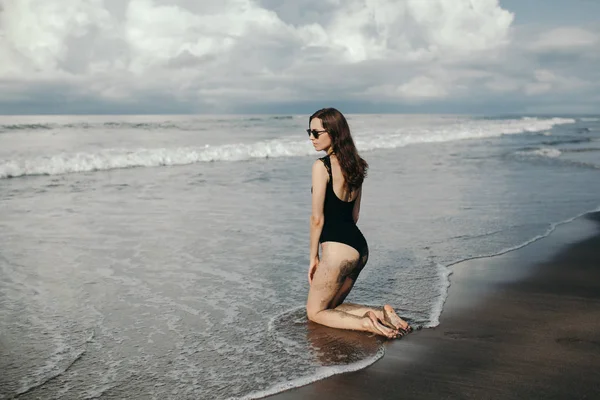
<point>276,56</point>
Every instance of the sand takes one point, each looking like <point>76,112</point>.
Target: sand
<point>522,325</point>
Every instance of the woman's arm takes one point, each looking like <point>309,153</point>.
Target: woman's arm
<point>356,210</point>
<point>317,218</point>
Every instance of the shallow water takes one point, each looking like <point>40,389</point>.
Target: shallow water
<point>185,276</point>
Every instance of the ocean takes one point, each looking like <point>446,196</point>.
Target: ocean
<point>155,257</point>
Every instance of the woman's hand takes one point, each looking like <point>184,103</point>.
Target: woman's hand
<point>312,269</point>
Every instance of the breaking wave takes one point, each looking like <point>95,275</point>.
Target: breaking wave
<point>108,159</point>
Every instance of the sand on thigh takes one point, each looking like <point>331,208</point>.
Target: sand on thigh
<point>338,260</point>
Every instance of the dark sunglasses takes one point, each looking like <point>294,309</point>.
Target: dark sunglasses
<point>315,133</point>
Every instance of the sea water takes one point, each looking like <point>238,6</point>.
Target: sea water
<point>159,257</point>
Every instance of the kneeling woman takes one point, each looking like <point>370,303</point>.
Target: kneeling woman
<point>336,193</point>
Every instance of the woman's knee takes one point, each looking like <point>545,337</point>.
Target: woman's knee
<point>311,312</point>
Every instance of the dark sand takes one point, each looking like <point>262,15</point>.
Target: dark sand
<point>523,325</point>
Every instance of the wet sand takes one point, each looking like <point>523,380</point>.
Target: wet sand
<point>522,325</point>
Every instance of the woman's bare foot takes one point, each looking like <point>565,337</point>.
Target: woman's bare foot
<point>392,318</point>
<point>374,325</point>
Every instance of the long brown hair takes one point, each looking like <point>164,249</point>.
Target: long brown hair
<point>354,168</point>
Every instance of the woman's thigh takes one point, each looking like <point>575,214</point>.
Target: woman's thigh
<point>338,261</point>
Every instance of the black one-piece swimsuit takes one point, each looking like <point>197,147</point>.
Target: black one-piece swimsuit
<point>339,224</point>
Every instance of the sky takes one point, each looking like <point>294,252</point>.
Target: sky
<point>271,56</point>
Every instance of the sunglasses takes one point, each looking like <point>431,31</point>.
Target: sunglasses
<point>315,133</point>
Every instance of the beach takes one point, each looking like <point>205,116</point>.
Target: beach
<point>521,325</point>
<point>165,257</point>
<point>157,166</point>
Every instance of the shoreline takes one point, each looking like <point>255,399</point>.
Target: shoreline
<point>515,325</point>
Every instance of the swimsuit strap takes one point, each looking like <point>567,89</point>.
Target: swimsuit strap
<point>327,163</point>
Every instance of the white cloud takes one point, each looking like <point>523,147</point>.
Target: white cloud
<point>229,53</point>
<point>564,39</point>
<point>35,34</point>
<point>157,34</point>
<point>462,25</point>
<point>422,86</point>
<point>546,81</point>
<point>502,84</point>
<point>413,29</point>
<point>416,89</point>
<point>535,88</point>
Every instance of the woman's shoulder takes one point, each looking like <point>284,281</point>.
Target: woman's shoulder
<point>319,164</point>
<point>326,161</point>
<point>322,166</point>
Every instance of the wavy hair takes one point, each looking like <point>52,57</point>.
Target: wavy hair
<point>354,168</point>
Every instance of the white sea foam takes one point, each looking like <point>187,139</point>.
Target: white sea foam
<point>541,152</point>
<point>474,129</point>
<point>108,159</point>
<point>147,122</point>
<point>443,288</point>
<point>445,271</point>
<point>551,228</point>
<point>286,344</point>
<point>321,373</point>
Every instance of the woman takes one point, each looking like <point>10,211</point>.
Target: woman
<point>336,193</point>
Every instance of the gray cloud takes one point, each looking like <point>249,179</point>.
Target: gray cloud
<point>268,56</point>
